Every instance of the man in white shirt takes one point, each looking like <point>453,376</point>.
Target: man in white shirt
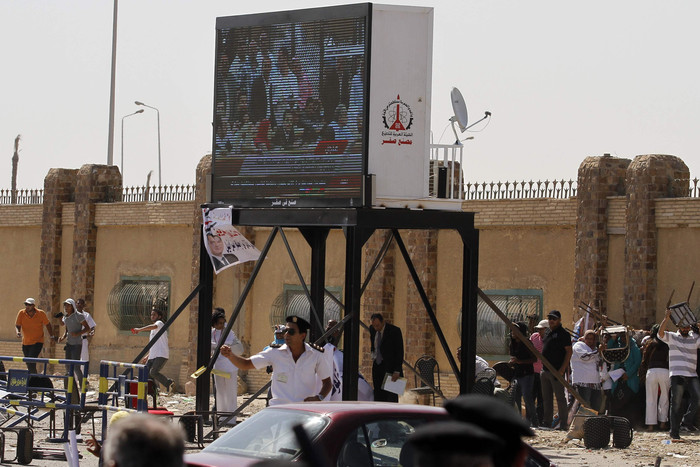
<point>584,369</point>
<point>295,365</point>
<point>682,366</point>
<point>84,352</point>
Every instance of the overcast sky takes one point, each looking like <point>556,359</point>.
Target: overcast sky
<point>564,80</point>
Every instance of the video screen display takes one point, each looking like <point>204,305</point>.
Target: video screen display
<point>290,108</point>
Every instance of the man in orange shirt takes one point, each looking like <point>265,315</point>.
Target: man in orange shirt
<point>29,324</point>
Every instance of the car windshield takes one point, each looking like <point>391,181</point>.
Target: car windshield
<point>269,434</point>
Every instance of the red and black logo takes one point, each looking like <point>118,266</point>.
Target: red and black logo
<point>398,115</point>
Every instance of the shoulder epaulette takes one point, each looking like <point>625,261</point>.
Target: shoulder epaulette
<point>276,346</point>
<point>317,348</point>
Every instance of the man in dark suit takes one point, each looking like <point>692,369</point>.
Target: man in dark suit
<point>387,355</point>
<point>219,259</point>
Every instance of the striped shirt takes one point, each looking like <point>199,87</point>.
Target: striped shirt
<point>682,353</point>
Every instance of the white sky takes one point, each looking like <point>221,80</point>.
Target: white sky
<point>564,80</point>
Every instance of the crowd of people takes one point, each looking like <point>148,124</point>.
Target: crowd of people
<point>650,376</point>
<point>277,95</point>
<point>652,382</point>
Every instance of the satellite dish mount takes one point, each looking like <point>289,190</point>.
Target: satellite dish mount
<point>459,107</point>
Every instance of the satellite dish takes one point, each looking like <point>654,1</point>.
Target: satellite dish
<point>459,107</point>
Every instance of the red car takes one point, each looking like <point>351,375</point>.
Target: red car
<point>353,434</point>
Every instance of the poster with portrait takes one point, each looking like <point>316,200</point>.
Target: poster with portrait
<point>226,245</point>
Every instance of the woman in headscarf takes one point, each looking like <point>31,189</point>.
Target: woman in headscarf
<point>76,326</point>
<point>225,373</point>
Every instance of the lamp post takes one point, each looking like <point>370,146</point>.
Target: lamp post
<point>160,181</point>
<point>110,137</point>
<point>122,165</point>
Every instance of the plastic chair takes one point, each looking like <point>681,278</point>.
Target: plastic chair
<point>426,366</point>
<point>485,382</point>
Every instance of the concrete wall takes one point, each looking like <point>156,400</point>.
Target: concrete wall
<point>20,242</point>
<point>524,244</point>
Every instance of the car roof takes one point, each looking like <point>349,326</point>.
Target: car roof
<point>377,408</point>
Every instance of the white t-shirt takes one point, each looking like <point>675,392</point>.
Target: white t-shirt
<point>90,321</point>
<point>682,353</point>
<point>293,381</point>
<point>160,348</point>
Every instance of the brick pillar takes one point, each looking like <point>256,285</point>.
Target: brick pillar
<point>59,188</point>
<point>200,197</point>
<point>648,177</point>
<point>418,332</point>
<point>598,178</point>
<point>94,184</point>
<point>379,294</point>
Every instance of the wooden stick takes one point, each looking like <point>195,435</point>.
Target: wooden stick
<point>516,332</point>
<point>691,292</point>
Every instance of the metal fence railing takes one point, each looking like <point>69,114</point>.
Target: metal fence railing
<point>132,194</point>
<point>446,161</point>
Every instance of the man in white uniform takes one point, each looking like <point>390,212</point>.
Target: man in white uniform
<point>225,373</point>
<point>295,365</point>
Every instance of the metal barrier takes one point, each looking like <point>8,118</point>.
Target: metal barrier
<point>18,383</point>
<point>115,385</point>
<point>34,392</point>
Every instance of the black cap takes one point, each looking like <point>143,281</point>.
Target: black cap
<point>522,327</point>
<point>301,322</point>
<point>554,314</point>
<point>454,436</point>
<point>491,414</point>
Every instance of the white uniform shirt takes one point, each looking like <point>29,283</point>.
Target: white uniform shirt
<point>292,381</point>
<point>160,348</point>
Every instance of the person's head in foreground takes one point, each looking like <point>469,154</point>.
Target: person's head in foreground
<point>450,444</point>
<point>141,440</point>
<point>498,418</point>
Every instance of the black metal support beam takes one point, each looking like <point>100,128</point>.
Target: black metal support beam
<point>470,288</point>
<point>426,303</point>
<point>313,314</point>
<point>317,237</point>
<point>355,238</point>
<point>206,280</point>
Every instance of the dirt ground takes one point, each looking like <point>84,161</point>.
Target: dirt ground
<point>645,449</point>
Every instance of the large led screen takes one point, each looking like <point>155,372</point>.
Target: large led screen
<point>290,108</point>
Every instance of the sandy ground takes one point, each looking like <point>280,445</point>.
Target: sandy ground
<point>645,449</point>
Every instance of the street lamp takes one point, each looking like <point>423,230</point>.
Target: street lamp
<point>160,182</point>
<point>122,166</point>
